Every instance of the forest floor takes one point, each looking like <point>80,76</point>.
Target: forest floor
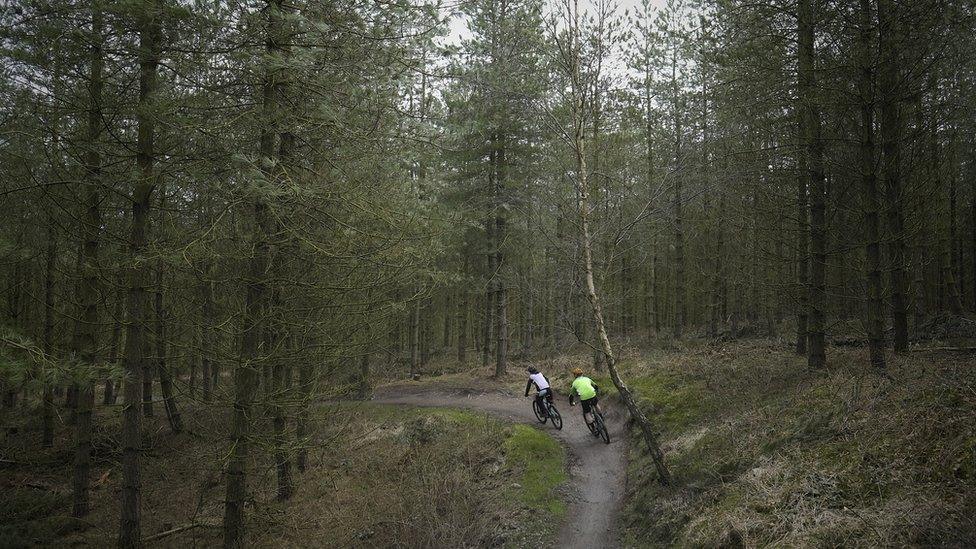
<point>378,476</point>
<point>763,452</point>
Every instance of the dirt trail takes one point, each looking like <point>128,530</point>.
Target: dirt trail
<point>597,471</point>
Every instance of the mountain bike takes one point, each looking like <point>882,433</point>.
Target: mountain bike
<point>599,426</point>
<point>547,411</point>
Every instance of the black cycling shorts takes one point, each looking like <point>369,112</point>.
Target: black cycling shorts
<point>589,404</point>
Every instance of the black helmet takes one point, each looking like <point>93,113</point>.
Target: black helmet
<point>532,370</point>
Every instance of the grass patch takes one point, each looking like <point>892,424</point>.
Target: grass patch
<point>540,462</point>
<point>675,404</point>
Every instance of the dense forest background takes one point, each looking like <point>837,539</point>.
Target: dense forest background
<point>252,206</point>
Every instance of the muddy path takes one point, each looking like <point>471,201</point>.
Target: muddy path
<point>597,470</point>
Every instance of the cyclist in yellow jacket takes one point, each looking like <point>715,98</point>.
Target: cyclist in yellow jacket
<point>585,389</point>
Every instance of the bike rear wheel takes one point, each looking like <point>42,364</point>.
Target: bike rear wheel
<point>557,420</point>
<point>540,414</point>
<point>602,428</point>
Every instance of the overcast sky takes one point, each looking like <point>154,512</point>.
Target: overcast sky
<point>459,29</point>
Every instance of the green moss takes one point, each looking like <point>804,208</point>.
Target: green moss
<point>541,466</point>
<point>676,404</point>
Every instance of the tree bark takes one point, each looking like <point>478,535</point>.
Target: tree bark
<point>278,390</point>
<point>952,265</point>
<point>650,438</point>
<point>462,323</point>
<point>892,129</point>
<point>501,291</point>
<point>489,310</point>
<point>579,149</point>
<point>246,375</point>
<point>110,395</point>
<point>720,275</point>
<point>50,259</point>
<point>148,373</point>
<point>302,418</point>
<point>207,343</point>
<point>803,248</point>
<point>165,376</point>
<point>138,299</point>
<point>680,305</point>
<point>813,140</point>
<point>869,182</point>
<point>446,332</point>
<point>86,326</point>
<point>415,336</point>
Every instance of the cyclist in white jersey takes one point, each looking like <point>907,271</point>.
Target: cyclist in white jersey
<point>543,391</point>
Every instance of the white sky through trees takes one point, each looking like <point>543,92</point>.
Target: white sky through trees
<point>458,28</point>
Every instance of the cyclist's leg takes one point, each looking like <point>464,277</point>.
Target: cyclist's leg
<point>587,415</point>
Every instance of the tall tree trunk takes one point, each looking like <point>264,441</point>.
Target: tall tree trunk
<point>490,277</point>
<point>462,323</point>
<point>952,262</point>
<point>869,181</point>
<point>719,274</point>
<point>86,327</point>
<point>148,373</point>
<point>246,375</point>
<point>647,429</point>
<point>655,294</point>
<point>446,332</point>
<point>680,305</point>
<point>280,385</point>
<point>650,285</point>
<point>110,395</point>
<point>891,137</point>
<point>136,348</point>
<point>278,391</point>
<point>581,184</point>
<point>501,291</point>
<point>501,329</point>
<point>50,259</point>
<point>207,343</point>
<point>426,335</point>
<point>803,247</point>
<point>302,418</point>
<point>415,336</point>
<point>813,139</point>
<point>165,376</point>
